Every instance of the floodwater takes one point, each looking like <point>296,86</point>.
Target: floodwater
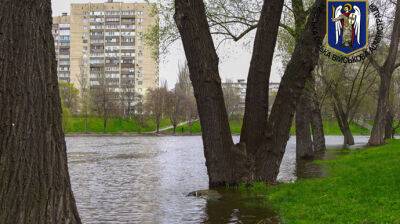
<point>146,180</point>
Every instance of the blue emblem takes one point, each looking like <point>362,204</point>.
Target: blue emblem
<point>347,25</point>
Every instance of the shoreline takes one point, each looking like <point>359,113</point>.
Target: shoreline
<point>129,134</point>
<point>147,134</point>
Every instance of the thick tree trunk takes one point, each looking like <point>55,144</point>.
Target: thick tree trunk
<point>378,129</point>
<point>226,163</point>
<point>34,180</point>
<point>256,109</point>
<point>304,145</point>
<point>385,72</point>
<point>299,69</point>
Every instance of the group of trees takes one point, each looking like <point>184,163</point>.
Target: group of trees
<point>177,104</point>
<point>35,184</point>
<point>311,86</point>
<point>99,100</point>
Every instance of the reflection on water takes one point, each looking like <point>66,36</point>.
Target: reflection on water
<point>240,207</point>
<point>146,180</point>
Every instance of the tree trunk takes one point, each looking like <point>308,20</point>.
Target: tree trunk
<point>304,145</point>
<point>157,126</point>
<point>86,122</point>
<point>389,130</point>
<point>378,129</point>
<point>190,126</point>
<point>299,69</point>
<point>35,184</point>
<point>342,118</point>
<point>225,162</point>
<point>344,126</point>
<point>308,115</point>
<point>105,123</point>
<point>385,72</point>
<point>256,109</point>
<point>317,126</point>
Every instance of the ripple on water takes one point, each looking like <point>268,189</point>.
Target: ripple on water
<point>146,180</point>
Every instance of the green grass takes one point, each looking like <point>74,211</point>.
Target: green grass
<point>236,126</point>
<point>330,127</point>
<point>361,187</point>
<point>114,125</point>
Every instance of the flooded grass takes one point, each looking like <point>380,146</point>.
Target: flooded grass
<point>362,186</point>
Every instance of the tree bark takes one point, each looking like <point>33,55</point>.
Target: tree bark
<point>308,115</point>
<point>317,125</point>
<point>389,130</point>
<point>157,125</point>
<point>343,123</point>
<point>304,145</point>
<point>256,105</point>
<point>385,72</point>
<point>342,117</point>
<point>299,69</point>
<point>378,129</point>
<point>35,184</point>
<point>226,163</point>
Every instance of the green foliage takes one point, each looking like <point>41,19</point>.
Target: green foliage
<point>114,125</point>
<point>362,187</point>
<point>331,127</point>
<point>152,35</point>
<point>66,115</point>
<point>69,95</point>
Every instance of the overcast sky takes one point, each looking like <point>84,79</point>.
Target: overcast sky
<point>234,58</point>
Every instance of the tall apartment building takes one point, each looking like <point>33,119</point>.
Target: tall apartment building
<point>61,34</point>
<point>106,43</point>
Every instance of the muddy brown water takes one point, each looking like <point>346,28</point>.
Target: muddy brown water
<point>147,179</point>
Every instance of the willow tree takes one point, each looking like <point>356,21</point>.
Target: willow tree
<point>264,137</point>
<point>34,180</point>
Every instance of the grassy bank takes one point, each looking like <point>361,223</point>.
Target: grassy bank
<point>74,125</point>
<point>361,187</point>
<point>114,125</point>
<point>330,127</point>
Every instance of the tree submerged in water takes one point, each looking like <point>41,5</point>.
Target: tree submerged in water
<point>264,136</point>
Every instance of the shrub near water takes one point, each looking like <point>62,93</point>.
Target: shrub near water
<point>362,187</point>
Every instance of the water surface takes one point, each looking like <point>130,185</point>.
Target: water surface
<point>146,180</point>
